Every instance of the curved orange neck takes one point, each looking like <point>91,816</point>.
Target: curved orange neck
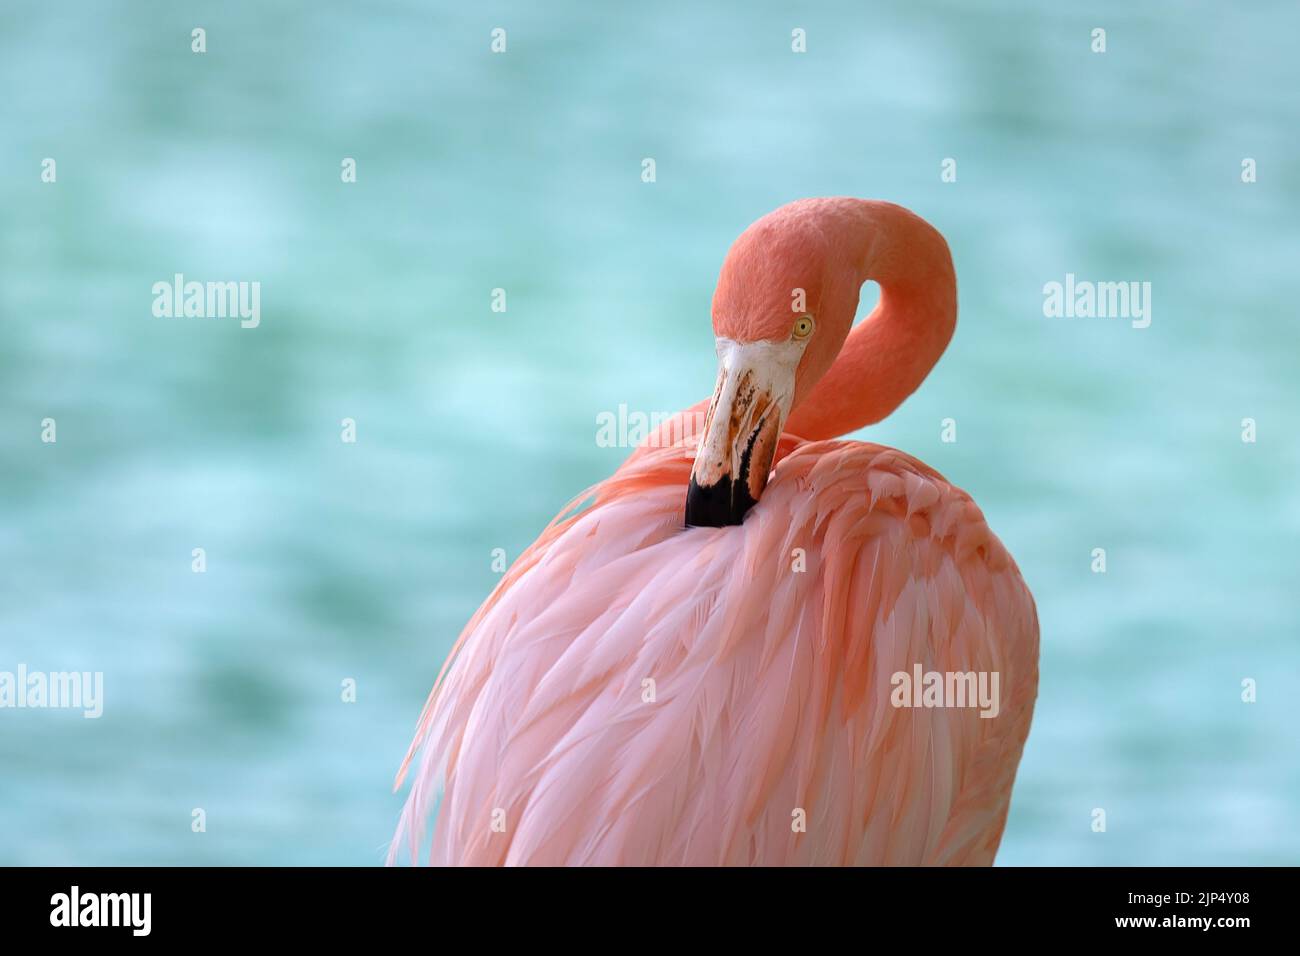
<point>889,354</point>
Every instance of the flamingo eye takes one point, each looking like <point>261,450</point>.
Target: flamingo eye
<point>803,327</point>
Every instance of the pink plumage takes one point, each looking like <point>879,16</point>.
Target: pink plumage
<point>637,692</point>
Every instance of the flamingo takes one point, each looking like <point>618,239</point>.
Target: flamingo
<point>718,684</point>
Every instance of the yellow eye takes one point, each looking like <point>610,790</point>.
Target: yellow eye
<point>803,327</point>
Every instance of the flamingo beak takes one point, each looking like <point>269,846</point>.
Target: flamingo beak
<point>753,397</point>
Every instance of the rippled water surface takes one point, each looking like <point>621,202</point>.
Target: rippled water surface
<point>329,561</point>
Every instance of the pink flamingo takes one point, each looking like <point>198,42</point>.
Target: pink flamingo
<point>639,692</point>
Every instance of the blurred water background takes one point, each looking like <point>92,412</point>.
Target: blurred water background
<point>329,561</point>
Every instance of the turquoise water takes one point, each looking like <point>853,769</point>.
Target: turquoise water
<point>329,561</point>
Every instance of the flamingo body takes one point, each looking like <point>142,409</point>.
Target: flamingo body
<point>760,708</point>
<point>638,693</point>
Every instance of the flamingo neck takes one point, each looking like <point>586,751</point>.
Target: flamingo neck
<point>889,354</point>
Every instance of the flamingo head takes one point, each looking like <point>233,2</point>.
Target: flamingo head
<point>783,307</point>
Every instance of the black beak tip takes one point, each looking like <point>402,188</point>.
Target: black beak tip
<point>718,505</point>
